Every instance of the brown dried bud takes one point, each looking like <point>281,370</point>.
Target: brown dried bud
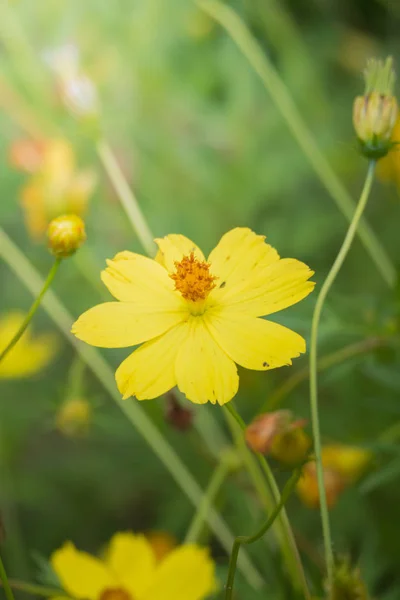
<point>177,416</point>
<point>65,235</point>
<point>262,431</point>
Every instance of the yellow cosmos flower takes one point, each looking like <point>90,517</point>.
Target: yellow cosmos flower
<point>29,355</point>
<point>130,571</point>
<point>197,318</point>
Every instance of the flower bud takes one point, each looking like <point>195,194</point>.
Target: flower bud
<point>347,583</point>
<point>291,446</point>
<point>307,486</point>
<point>65,235</point>
<point>375,113</point>
<point>261,432</point>
<point>73,417</point>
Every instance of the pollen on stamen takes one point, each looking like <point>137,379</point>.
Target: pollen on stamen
<point>193,278</point>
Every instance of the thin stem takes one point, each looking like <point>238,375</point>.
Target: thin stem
<point>127,197</point>
<point>313,366</point>
<point>36,590</point>
<point>32,310</point>
<point>284,102</point>
<point>4,579</point>
<point>210,494</point>
<point>325,362</point>
<point>250,539</point>
<point>271,496</point>
<point>134,412</point>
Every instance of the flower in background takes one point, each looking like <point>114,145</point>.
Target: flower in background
<point>343,466</point>
<point>73,417</point>
<point>279,435</point>
<point>388,168</point>
<point>130,571</point>
<point>30,355</point>
<point>197,318</point>
<point>55,187</point>
<point>76,90</point>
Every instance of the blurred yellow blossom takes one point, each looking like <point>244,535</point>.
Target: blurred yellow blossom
<point>197,317</point>
<point>73,417</point>
<point>342,464</point>
<point>29,355</point>
<point>55,187</point>
<point>131,571</point>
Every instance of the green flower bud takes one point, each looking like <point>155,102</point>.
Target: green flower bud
<point>65,235</point>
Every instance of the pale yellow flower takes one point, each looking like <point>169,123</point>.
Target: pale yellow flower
<point>197,318</point>
<point>131,571</point>
<point>56,186</point>
<point>29,355</point>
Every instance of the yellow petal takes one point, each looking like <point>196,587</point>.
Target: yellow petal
<point>123,324</point>
<point>187,573</point>
<point>134,278</point>
<point>173,247</point>
<point>131,558</point>
<point>29,355</point>
<point>239,254</point>
<point>149,371</point>
<point>80,574</point>
<point>204,373</point>
<point>254,343</point>
<point>252,278</point>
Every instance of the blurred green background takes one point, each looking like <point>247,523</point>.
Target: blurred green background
<point>206,149</point>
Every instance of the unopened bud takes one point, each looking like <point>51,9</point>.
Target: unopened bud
<point>179,417</point>
<point>261,432</point>
<point>74,416</point>
<point>307,486</point>
<point>347,583</point>
<point>375,113</point>
<point>291,447</point>
<point>65,235</point>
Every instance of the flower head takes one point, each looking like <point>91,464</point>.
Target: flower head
<point>343,465</point>
<point>130,570</point>
<point>65,235</point>
<point>374,114</point>
<point>196,318</point>
<point>73,417</point>
<point>30,355</point>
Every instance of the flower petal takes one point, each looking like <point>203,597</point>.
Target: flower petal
<point>131,558</point>
<point>252,277</point>
<point>274,288</point>
<point>204,373</point>
<point>149,371</point>
<point>254,343</point>
<point>80,574</point>
<point>239,254</point>
<point>173,247</point>
<point>123,324</point>
<point>134,278</point>
<point>187,573</point>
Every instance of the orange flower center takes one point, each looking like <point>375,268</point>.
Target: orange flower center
<point>192,278</point>
<point>115,594</point>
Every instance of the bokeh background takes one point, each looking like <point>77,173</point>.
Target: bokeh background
<point>205,149</point>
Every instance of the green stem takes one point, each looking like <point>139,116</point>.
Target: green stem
<point>271,496</point>
<point>134,412</point>
<point>4,579</point>
<point>210,494</point>
<point>313,366</point>
<point>250,539</point>
<point>126,196</point>
<point>32,310</point>
<point>36,590</point>
<point>284,102</point>
<point>329,360</point>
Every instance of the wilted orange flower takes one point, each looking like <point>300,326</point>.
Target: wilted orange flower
<point>55,187</point>
<point>343,465</point>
